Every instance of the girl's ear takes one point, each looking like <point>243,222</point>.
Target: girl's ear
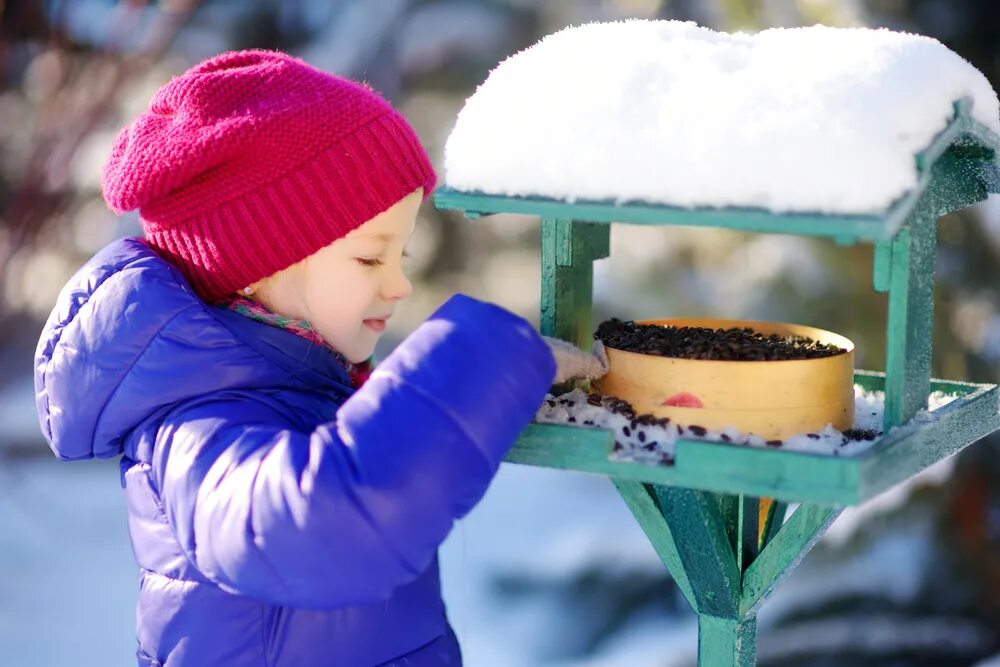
<point>253,288</point>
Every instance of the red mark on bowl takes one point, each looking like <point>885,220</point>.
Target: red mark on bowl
<point>684,400</point>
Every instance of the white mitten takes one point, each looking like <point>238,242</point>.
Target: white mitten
<point>572,362</point>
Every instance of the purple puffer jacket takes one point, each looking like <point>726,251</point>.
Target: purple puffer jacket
<point>277,519</point>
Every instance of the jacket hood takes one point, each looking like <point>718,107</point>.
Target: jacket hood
<point>128,339</point>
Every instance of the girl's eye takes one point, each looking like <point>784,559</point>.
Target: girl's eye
<point>370,262</point>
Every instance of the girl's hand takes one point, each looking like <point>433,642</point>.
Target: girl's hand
<point>572,362</point>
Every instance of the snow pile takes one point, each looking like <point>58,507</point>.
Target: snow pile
<point>806,119</point>
<point>651,439</point>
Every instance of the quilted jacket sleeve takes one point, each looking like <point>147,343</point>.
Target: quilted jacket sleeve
<point>357,507</point>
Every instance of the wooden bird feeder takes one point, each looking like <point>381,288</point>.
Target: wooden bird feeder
<point>702,512</point>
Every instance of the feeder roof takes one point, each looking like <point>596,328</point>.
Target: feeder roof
<point>821,120</point>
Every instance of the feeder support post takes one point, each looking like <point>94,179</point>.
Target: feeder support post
<point>727,641</point>
<point>905,265</point>
<point>911,318</point>
<point>569,248</point>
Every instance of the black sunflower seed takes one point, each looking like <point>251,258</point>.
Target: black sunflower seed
<point>735,344</point>
<point>860,434</point>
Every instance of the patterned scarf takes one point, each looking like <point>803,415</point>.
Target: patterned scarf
<point>257,311</point>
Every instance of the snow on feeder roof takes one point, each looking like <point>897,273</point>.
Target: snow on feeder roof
<point>819,119</point>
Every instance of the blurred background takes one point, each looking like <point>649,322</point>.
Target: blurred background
<point>550,569</point>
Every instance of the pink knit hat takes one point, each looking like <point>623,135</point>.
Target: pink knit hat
<point>253,160</point>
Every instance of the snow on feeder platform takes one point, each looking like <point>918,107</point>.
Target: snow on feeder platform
<point>857,135</point>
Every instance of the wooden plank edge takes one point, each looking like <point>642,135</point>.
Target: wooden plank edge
<point>727,468</point>
<point>929,438</point>
<point>842,227</point>
<point>646,510</point>
<point>789,546</point>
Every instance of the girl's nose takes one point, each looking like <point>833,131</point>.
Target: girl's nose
<point>397,286</point>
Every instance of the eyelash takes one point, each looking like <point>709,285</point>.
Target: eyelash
<point>372,263</point>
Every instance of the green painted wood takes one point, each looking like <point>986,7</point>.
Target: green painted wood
<point>568,250</point>
<point>749,522</point>
<point>911,287</point>
<point>577,243</point>
<point>709,466</point>
<point>773,473</point>
<point>788,547</point>
<point>642,502</point>
<point>972,137</point>
<point>724,642</point>
<point>729,512</point>
<point>929,438</point>
<point>882,273</point>
<point>962,137</point>
<point>875,380</point>
<point>988,173</point>
<point>956,387</point>
<point>911,320</point>
<point>740,518</point>
<point>957,182</point>
<point>703,547</point>
<point>860,227</point>
<point>572,448</point>
<point>949,180</point>
<point>768,473</point>
<point>773,522</point>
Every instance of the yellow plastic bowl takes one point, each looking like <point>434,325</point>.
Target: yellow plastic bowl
<point>770,399</point>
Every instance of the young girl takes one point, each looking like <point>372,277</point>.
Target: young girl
<point>280,512</point>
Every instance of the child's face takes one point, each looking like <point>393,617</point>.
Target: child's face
<point>349,288</point>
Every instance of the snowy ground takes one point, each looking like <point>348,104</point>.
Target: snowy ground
<point>70,590</point>
<point>18,419</point>
<point>71,585</point>
<point>549,525</point>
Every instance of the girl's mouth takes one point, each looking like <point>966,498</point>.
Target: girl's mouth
<point>375,325</point>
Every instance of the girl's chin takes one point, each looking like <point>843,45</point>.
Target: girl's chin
<point>356,357</point>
